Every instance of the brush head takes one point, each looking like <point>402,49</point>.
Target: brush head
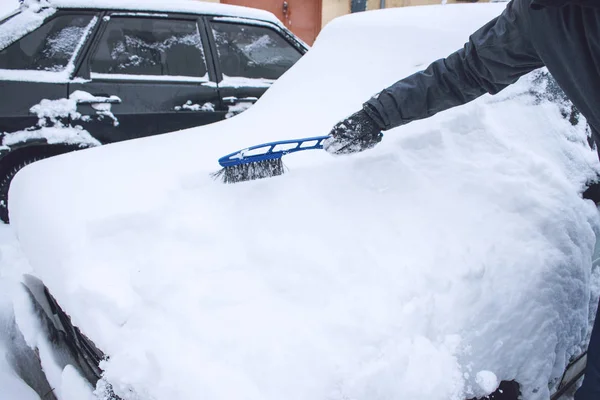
<point>251,171</point>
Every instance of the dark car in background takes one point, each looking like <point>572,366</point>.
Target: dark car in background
<point>74,76</point>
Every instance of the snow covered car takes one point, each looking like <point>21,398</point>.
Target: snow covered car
<point>455,255</point>
<point>75,75</point>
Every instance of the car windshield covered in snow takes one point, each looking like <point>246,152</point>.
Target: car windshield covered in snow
<point>454,255</point>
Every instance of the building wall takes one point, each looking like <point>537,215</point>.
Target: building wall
<point>333,9</point>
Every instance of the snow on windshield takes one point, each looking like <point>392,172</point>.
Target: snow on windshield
<point>455,254</point>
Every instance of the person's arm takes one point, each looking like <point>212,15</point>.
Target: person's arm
<point>495,56</point>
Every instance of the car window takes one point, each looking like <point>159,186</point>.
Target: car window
<point>150,46</point>
<point>48,48</point>
<point>253,51</point>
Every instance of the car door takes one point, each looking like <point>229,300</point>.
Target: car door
<point>251,55</point>
<point>146,74</point>
<point>38,65</point>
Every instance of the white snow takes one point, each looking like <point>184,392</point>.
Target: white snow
<point>102,105</point>
<point>7,7</point>
<point>239,81</point>
<point>459,245</point>
<point>238,108</point>
<point>487,381</point>
<point>74,386</point>
<point>195,7</point>
<point>51,126</point>
<point>164,78</point>
<point>196,107</point>
<point>28,20</point>
<point>53,135</point>
<point>38,76</point>
<point>52,110</point>
<point>79,96</point>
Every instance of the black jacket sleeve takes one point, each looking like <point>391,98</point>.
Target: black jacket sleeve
<point>494,57</point>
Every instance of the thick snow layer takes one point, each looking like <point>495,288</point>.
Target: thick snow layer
<point>53,135</point>
<point>195,7</point>
<point>51,116</point>
<point>459,246</point>
<point>7,7</point>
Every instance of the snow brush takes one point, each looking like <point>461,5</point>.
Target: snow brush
<point>263,160</point>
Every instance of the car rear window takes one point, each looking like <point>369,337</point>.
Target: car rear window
<point>150,46</point>
<point>48,48</point>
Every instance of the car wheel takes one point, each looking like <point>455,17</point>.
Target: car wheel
<point>18,159</point>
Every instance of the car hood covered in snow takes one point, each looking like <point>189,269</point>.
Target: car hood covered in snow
<point>459,248</point>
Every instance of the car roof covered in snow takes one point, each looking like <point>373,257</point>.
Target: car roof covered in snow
<point>187,6</point>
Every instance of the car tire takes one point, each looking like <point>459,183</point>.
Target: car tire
<point>18,159</point>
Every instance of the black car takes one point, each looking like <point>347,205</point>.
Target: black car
<point>72,77</point>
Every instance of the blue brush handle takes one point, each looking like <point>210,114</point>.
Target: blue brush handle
<point>270,153</point>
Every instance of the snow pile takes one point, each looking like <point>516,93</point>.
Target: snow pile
<point>196,107</point>
<point>51,124</point>
<point>237,81</point>
<point>53,135</point>
<point>457,251</point>
<point>7,7</point>
<point>52,111</point>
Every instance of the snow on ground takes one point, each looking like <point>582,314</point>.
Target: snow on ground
<point>457,250</point>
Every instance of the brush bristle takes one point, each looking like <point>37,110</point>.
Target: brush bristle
<point>251,171</point>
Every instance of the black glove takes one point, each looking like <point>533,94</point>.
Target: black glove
<point>356,133</point>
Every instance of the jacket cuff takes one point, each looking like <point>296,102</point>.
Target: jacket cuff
<point>373,111</point>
